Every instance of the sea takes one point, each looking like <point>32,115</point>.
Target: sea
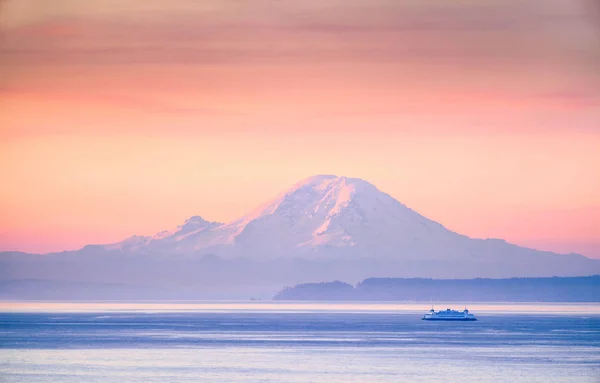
<point>110,342</point>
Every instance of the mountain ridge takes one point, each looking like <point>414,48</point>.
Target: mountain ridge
<point>322,228</point>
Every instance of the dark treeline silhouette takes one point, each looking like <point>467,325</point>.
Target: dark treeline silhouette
<point>555,289</point>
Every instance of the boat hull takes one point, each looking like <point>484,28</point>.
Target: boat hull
<point>451,319</point>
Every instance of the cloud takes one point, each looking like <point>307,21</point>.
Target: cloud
<point>497,32</point>
<point>309,58</point>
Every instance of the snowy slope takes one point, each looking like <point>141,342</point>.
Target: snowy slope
<point>184,238</point>
<point>330,216</point>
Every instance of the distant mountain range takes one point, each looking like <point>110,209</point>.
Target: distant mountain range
<point>555,289</point>
<point>323,228</point>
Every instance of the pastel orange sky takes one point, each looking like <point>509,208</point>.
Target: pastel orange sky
<point>121,117</point>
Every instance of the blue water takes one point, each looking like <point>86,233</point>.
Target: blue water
<point>296,346</point>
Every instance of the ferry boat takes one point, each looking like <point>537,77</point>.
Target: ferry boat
<point>449,315</point>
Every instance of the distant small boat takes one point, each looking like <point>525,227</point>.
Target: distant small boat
<point>449,315</point>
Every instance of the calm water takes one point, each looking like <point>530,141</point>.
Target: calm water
<point>264,342</point>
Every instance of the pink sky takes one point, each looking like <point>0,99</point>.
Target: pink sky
<point>126,117</point>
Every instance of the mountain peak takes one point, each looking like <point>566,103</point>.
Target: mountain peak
<point>194,220</point>
<point>324,211</point>
<point>300,198</point>
<point>319,178</point>
<point>324,180</point>
<point>195,224</point>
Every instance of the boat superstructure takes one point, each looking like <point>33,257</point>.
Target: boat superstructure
<point>450,315</point>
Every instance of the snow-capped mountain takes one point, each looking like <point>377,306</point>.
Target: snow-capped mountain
<point>320,216</point>
<point>329,217</point>
<point>339,215</point>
